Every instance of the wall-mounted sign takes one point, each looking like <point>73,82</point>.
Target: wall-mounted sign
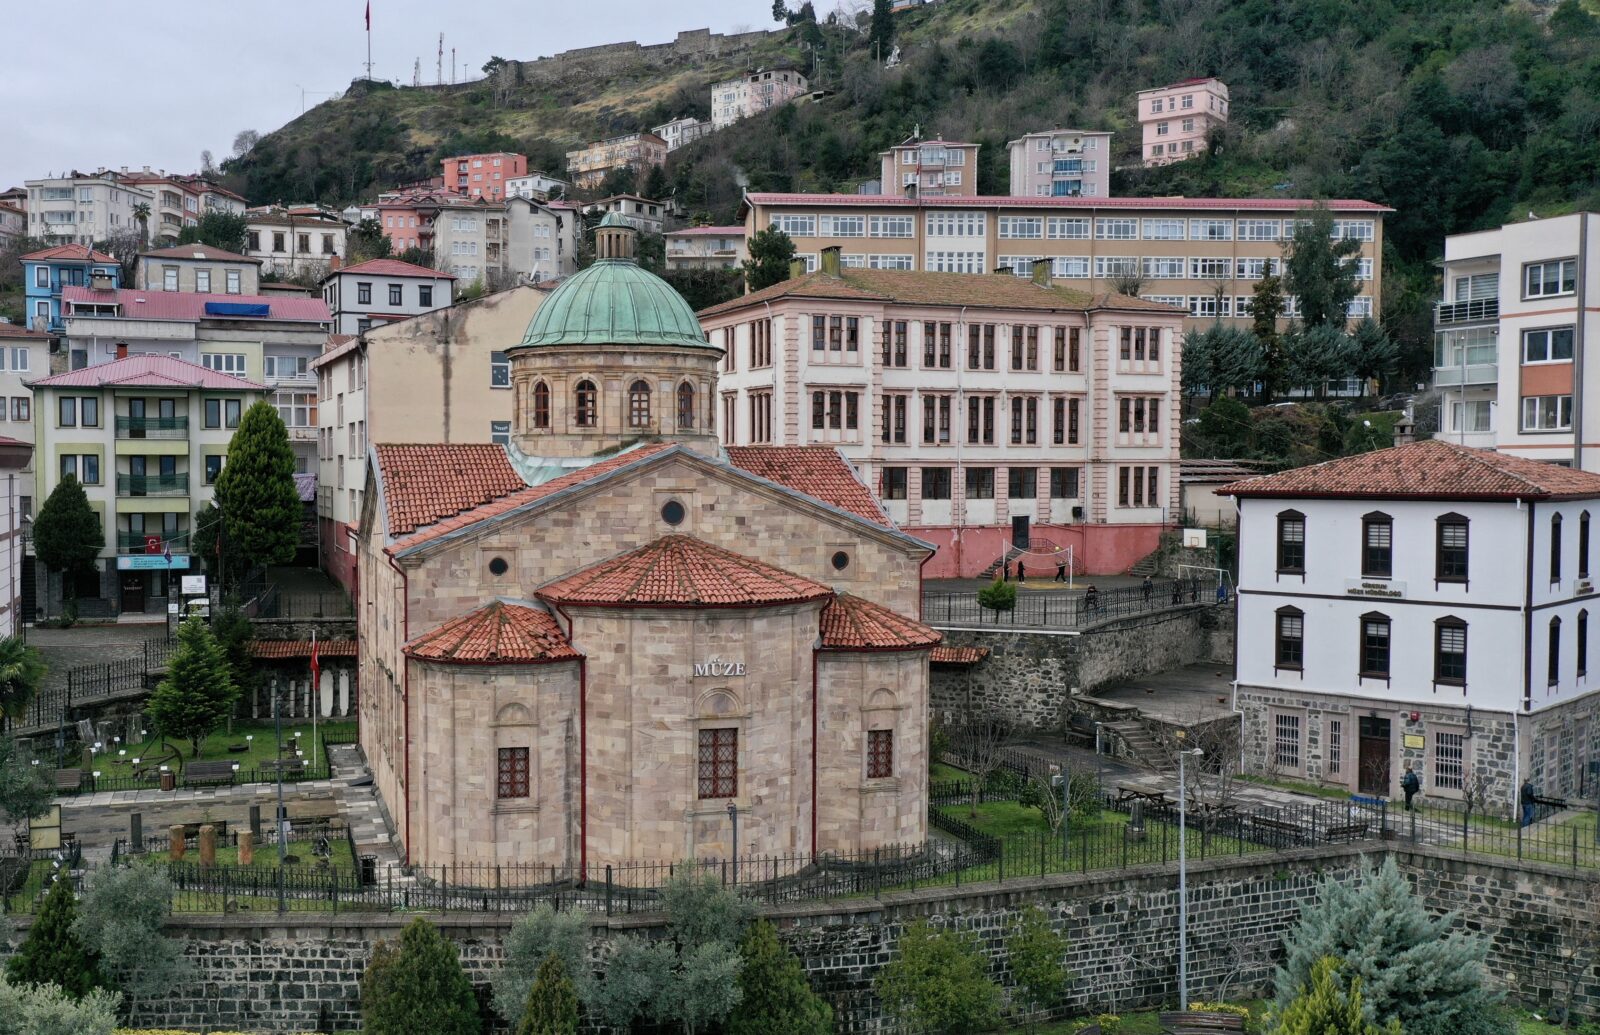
<point>1374,588</point>
<point>715,668</point>
<point>147,562</point>
<point>194,585</point>
<point>1583,587</point>
<point>1414,741</point>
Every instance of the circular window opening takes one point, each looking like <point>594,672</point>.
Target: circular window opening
<point>673,513</point>
<point>841,560</point>
<point>498,566</point>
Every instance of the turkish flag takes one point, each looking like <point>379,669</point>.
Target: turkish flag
<point>316,664</point>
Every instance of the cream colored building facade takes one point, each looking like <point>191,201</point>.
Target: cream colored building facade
<point>199,268</point>
<point>1203,254</point>
<point>929,169</point>
<point>587,166</point>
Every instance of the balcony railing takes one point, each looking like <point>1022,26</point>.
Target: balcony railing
<point>153,484</point>
<point>152,427</point>
<point>1475,374</point>
<point>1470,311</point>
<point>141,542</point>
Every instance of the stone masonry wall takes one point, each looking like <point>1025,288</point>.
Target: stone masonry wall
<point>1029,676</point>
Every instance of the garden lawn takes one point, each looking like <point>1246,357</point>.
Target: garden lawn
<point>266,857</point>
<point>941,773</point>
<point>214,748</point>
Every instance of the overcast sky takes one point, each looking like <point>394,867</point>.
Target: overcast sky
<point>157,85</point>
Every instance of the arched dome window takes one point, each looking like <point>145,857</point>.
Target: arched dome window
<point>639,405</point>
<point>586,400</point>
<point>685,406</point>
<point>541,405</point>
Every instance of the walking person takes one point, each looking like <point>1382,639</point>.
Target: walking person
<point>1526,797</point>
<point>1061,570</point>
<point>1091,598</point>
<point>1022,571</point>
<point>1410,783</point>
<point>1005,571</point>
<point>1149,587</point>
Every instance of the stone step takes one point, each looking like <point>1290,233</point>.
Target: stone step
<point>1141,745</point>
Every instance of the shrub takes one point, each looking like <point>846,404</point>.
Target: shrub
<point>53,954</point>
<point>535,936</point>
<point>417,985</point>
<point>552,1004</point>
<point>1037,954</point>
<point>1109,1023</point>
<point>998,596</point>
<point>775,995</point>
<point>939,981</point>
<point>124,909</point>
<point>47,1010</point>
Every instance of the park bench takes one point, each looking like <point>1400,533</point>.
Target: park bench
<point>1155,798</point>
<point>1080,730</point>
<point>197,774</point>
<point>1281,830</point>
<point>1355,830</point>
<point>1197,1023</point>
<point>68,780</point>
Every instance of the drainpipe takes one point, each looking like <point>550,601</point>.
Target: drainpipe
<point>405,694</point>
<point>815,803</point>
<point>1577,341</point>
<point>583,751</point>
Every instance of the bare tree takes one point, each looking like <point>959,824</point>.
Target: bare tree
<point>1213,784</point>
<point>243,141</point>
<point>981,745</point>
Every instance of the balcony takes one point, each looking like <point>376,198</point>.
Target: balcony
<point>1068,167</point>
<point>152,485</point>
<point>153,427</point>
<point>141,542</point>
<point>1475,310</point>
<point>1472,374</point>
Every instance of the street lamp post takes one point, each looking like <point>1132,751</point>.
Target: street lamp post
<point>1183,875</point>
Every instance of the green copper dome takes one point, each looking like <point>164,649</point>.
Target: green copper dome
<point>614,302</point>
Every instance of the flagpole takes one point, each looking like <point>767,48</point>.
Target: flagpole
<point>369,41</point>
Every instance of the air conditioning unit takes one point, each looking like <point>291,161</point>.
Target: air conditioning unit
<point>1077,513</point>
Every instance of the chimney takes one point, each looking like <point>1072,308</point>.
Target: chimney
<point>122,350</point>
<point>1041,272</point>
<point>830,260</point>
<point>1002,271</point>
<point>797,268</point>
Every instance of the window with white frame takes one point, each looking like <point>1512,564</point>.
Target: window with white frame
<point>1352,230</point>
<point>1210,269</point>
<point>1255,269</point>
<point>1211,229</point>
<point>1020,265</point>
<point>224,362</point>
<point>955,262</point>
<point>1556,277</point>
<point>890,262</point>
<point>1161,268</point>
<point>1547,345</point>
<point>298,409</point>
<point>1547,413</point>
<point>1259,229</point>
<point>1021,227</point>
<point>1210,305</point>
<point>1071,267</point>
<point>796,225</point>
<point>1177,300</point>
<point>843,226</point>
<point>956,224</point>
<point>1359,307</point>
<point>1164,230</point>
<point>1067,228</point>
<point>892,226</point>
<point>1116,229</point>
<point>1111,266</point>
<point>1335,746</point>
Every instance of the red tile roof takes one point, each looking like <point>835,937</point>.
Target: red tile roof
<point>146,371</point>
<point>336,346</point>
<point>682,571</point>
<point>199,251</point>
<point>502,633</point>
<point>943,655</point>
<point>852,623</point>
<point>392,268</point>
<point>996,201</point>
<point>302,648</point>
<point>68,253</point>
<point>1433,469</point>
<point>445,520</point>
<point>191,305</point>
<point>817,471</point>
<point>423,483</point>
<point>16,330</point>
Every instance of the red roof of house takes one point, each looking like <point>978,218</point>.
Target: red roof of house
<point>503,632</point>
<point>682,571</point>
<point>393,268</point>
<point>199,251</point>
<point>17,330</point>
<point>191,305</point>
<point>852,623</point>
<point>146,371</point>
<point>991,201</point>
<point>943,655</point>
<point>68,253</point>
<point>818,471</point>
<point>1433,469</point>
<point>423,483</point>
<point>302,648</point>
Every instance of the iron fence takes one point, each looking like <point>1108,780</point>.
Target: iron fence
<point>88,685</point>
<point>1558,835</point>
<point>1069,609</point>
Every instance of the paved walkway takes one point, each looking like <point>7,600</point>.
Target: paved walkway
<point>359,805</point>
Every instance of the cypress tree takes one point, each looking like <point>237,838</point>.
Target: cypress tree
<point>256,494</point>
<point>52,954</point>
<point>198,692</point>
<point>417,986</point>
<point>68,535</point>
<point>776,995</point>
<point>552,1006</point>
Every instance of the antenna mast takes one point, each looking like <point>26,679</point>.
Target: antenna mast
<point>438,71</point>
<point>416,73</point>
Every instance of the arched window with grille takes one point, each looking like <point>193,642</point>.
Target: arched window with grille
<point>587,401</point>
<point>685,406</point>
<point>541,405</point>
<point>639,405</point>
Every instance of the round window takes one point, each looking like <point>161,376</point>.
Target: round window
<point>841,560</point>
<point>498,566</point>
<point>672,512</point>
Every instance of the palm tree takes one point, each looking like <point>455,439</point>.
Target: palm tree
<point>141,213</point>
<point>21,672</point>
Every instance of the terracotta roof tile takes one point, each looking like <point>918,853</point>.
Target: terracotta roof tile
<point>817,471</point>
<point>682,571</point>
<point>392,268</point>
<point>424,483</point>
<point>851,623</point>
<point>267,649</point>
<point>975,290</point>
<point>147,371</point>
<point>505,632</point>
<point>68,253</point>
<point>943,655</point>
<point>16,330</point>
<point>444,522</point>
<point>1432,469</point>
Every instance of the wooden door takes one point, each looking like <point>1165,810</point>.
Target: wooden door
<point>1372,776</point>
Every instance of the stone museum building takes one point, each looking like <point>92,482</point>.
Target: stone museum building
<point>613,640</point>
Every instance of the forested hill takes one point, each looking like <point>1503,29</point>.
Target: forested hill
<point>1458,113</point>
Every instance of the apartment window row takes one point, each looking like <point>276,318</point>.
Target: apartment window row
<point>1377,545</point>
<point>955,224</point>
<point>397,291</point>
<point>1374,646</point>
<point>836,335</point>
<point>1139,345</point>
<point>835,410</point>
<point>1138,486</point>
<point>963,223</point>
<point>1021,483</point>
<point>74,411</point>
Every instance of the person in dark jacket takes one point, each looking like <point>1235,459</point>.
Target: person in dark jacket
<point>1149,588</point>
<point>1061,571</point>
<point>1091,598</point>
<point>1526,797</point>
<point>1022,571</point>
<point>1411,783</point>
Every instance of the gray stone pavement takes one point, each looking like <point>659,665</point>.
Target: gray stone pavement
<point>63,649</point>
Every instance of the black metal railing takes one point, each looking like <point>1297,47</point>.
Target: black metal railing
<point>153,427</point>
<point>155,543</point>
<point>1068,609</point>
<point>1466,312</point>
<point>153,484</point>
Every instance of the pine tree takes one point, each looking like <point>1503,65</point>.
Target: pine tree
<point>1373,354</point>
<point>67,534</point>
<point>52,954</point>
<point>1413,967</point>
<point>198,693</point>
<point>256,493</point>
<point>880,36</point>
<point>775,993</point>
<point>939,981</point>
<point>770,253</point>
<point>417,985</point>
<point>235,635</point>
<point>1037,953</point>
<point>1319,270</point>
<point>552,1006</point>
<point>24,792</point>
<point>1327,1007</point>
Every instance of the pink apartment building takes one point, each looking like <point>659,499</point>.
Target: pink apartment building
<point>1178,118</point>
<point>483,176</point>
<point>985,411</point>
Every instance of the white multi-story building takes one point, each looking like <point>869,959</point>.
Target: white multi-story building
<point>706,247</point>
<point>682,131</point>
<point>175,203</point>
<point>382,291</point>
<point>16,467</point>
<point>294,244</point>
<point>25,355</point>
<point>1426,605</point>
<point>1519,304</point>
<point>642,214</point>
<point>985,411</point>
<point>82,209</point>
<point>541,239</point>
<point>1061,163</point>
<point>537,186</point>
<point>754,93</point>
